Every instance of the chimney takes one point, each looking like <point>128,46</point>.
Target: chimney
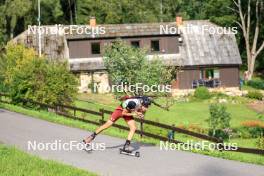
<point>92,21</point>
<point>179,21</point>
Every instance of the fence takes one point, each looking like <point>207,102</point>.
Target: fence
<point>101,115</point>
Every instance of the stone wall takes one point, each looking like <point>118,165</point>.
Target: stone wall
<point>231,91</point>
<point>96,81</point>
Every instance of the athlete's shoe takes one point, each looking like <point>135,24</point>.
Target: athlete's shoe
<point>126,147</point>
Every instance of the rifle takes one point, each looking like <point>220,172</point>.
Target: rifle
<point>151,98</point>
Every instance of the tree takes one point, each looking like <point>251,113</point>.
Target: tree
<point>253,46</point>
<point>69,9</point>
<point>12,11</point>
<point>30,77</point>
<point>51,12</point>
<point>219,121</point>
<point>217,11</point>
<point>129,66</point>
<point>169,9</point>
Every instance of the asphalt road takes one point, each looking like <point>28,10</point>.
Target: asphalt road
<point>18,130</point>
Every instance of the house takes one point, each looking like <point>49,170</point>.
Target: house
<point>202,50</point>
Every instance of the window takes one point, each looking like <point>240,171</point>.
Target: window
<point>95,47</point>
<point>212,73</point>
<point>135,44</point>
<point>155,46</point>
<point>216,74</point>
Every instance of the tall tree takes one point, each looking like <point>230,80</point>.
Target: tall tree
<point>217,11</point>
<point>51,12</point>
<point>253,46</point>
<point>69,8</point>
<point>14,10</point>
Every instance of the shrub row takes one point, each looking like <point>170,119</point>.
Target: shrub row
<point>257,84</point>
<point>203,93</point>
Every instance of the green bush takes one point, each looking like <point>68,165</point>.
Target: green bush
<point>257,84</point>
<point>255,95</point>
<point>202,93</point>
<point>30,77</point>
<point>218,133</point>
<point>253,132</point>
<point>219,121</point>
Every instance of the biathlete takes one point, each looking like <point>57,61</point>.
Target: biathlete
<point>130,108</point>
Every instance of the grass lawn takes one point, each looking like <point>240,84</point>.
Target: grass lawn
<point>192,113</point>
<point>198,112</point>
<point>184,113</point>
<point>14,162</point>
<point>250,158</point>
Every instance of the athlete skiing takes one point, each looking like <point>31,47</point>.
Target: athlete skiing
<point>130,108</point>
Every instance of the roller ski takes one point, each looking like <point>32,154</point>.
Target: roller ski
<point>86,146</point>
<point>87,143</point>
<point>125,150</point>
